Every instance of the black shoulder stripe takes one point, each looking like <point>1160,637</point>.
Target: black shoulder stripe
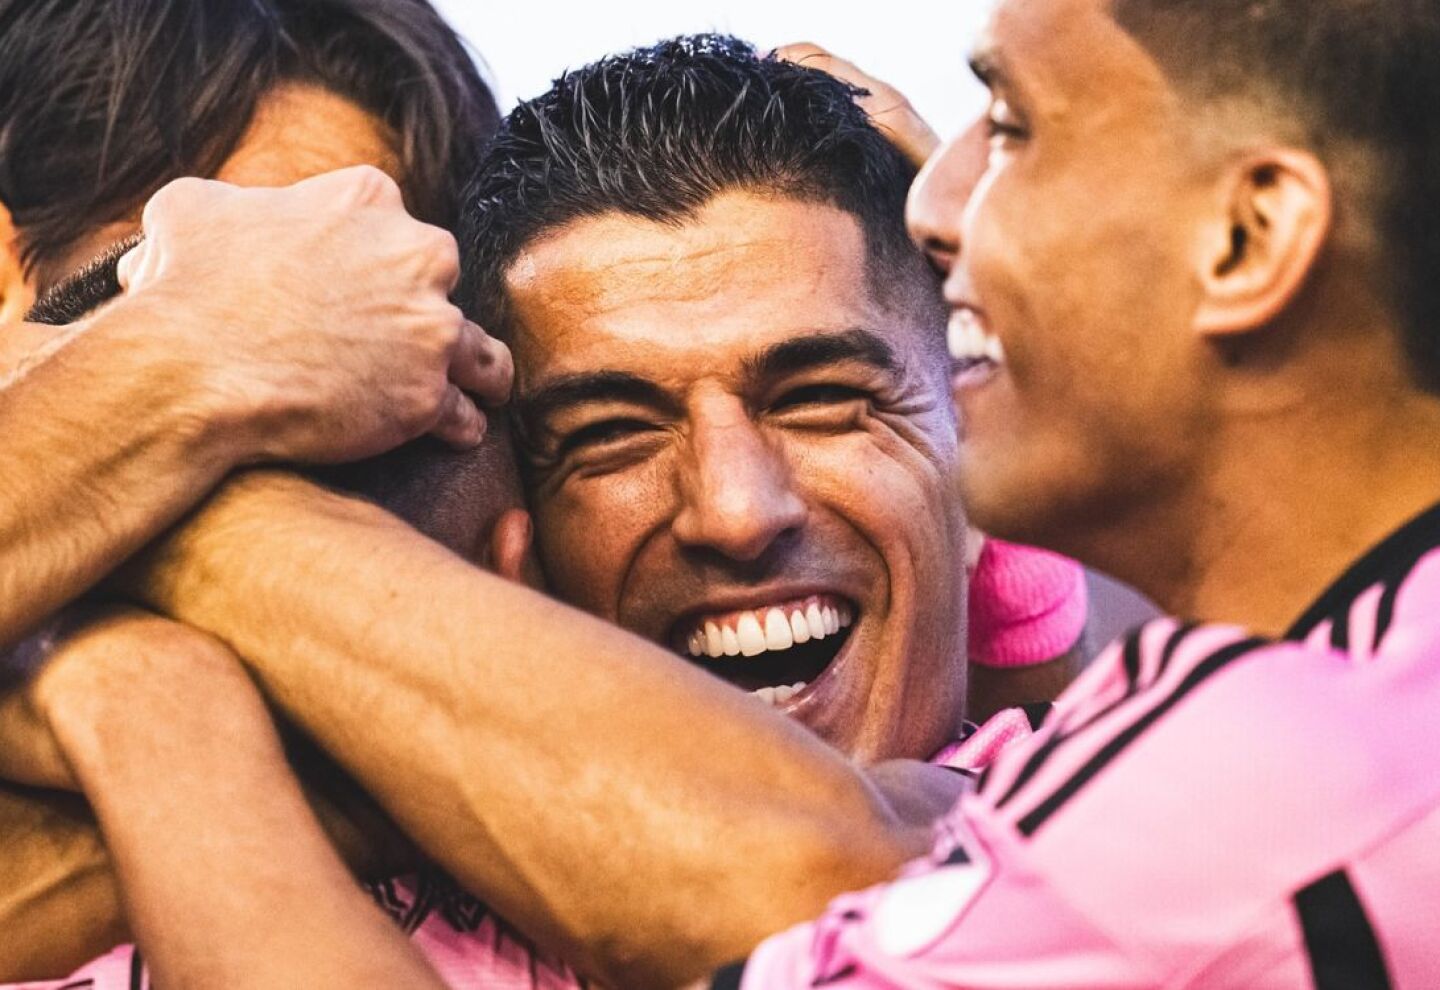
<point>1131,660</point>
<point>1391,561</point>
<point>728,978</point>
<point>1173,643</point>
<point>1339,939</point>
<point>1385,612</point>
<point>1218,661</point>
<point>1340,629</point>
<point>137,970</point>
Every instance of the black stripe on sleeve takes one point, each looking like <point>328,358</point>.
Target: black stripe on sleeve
<point>1131,657</point>
<point>1031,822</point>
<point>728,978</point>
<point>1344,953</point>
<point>137,970</point>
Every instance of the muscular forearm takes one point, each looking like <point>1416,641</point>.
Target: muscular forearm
<point>108,439</point>
<point>626,808</point>
<point>226,877</point>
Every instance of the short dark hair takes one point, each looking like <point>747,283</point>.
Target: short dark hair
<point>1352,73</point>
<point>656,133</point>
<point>104,101</point>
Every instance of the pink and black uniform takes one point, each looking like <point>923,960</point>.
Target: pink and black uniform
<point>1202,809</point>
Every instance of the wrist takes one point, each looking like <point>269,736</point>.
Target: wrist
<point>165,341</point>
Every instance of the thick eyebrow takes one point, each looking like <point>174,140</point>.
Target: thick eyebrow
<point>569,391</point>
<point>818,350</point>
<point>78,295</point>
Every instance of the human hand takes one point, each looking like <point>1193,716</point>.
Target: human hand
<point>888,108</point>
<point>318,315</point>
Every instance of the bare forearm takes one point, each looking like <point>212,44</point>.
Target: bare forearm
<point>107,441</point>
<point>59,905</point>
<point>225,874</point>
<point>626,808</point>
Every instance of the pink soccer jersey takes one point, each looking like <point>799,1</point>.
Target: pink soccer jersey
<point>1201,810</point>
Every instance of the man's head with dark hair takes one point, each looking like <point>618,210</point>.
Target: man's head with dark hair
<point>1355,81</point>
<point>101,103</point>
<point>1197,276</point>
<point>730,381</point>
<point>658,133</point>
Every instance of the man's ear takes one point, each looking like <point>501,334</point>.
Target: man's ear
<point>1275,217</point>
<point>16,296</point>
<point>512,549</point>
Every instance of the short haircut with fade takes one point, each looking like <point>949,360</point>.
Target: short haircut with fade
<point>104,101</point>
<point>657,133</point>
<point>1357,74</point>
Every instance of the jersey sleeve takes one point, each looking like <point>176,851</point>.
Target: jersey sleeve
<point>974,914</point>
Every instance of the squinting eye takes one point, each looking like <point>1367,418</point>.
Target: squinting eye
<point>811,395</point>
<point>603,432</point>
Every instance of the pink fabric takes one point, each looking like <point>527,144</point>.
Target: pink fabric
<point>1027,606</point>
<point>1195,801</point>
<point>471,948</point>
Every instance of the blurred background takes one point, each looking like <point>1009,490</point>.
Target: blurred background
<point>919,46</point>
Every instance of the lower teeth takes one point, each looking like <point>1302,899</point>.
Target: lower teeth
<point>779,695</point>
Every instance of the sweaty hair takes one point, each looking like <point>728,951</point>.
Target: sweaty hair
<point>657,133</point>
<point>104,101</point>
<point>1354,74</point>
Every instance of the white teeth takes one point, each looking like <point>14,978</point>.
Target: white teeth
<point>968,340</point>
<point>816,622</point>
<point>781,694</point>
<point>799,628</point>
<point>714,644</point>
<point>751,636</point>
<point>778,635</point>
<point>767,630</point>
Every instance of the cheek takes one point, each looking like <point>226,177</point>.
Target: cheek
<point>589,533</point>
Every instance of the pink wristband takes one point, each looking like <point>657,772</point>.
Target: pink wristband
<point>1027,606</point>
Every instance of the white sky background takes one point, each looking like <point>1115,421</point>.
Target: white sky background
<point>919,46</point>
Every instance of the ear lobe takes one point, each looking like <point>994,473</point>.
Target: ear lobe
<point>16,295</point>
<point>511,552</point>
<point>1256,256</point>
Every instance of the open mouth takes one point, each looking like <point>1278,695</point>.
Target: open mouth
<point>775,651</point>
<point>976,355</point>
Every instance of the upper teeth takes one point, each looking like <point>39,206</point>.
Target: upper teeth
<point>968,340</point>
<point>765,630</point>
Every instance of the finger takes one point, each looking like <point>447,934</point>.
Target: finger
<point>482,365</point>
<point>461,423</point>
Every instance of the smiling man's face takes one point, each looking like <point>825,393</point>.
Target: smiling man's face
<point>738,451</point>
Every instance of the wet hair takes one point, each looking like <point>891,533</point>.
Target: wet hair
<point>104,101</point>
<point>657,133</point>
<point>1354,74</point>
<point>452,496</point>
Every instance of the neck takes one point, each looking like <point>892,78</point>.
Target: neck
<point>1284,507</point>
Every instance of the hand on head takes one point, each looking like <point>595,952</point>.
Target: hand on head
<point>353,347</point>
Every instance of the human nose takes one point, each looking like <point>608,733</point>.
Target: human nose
<point>737,491</point>
<point>941,192</point>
